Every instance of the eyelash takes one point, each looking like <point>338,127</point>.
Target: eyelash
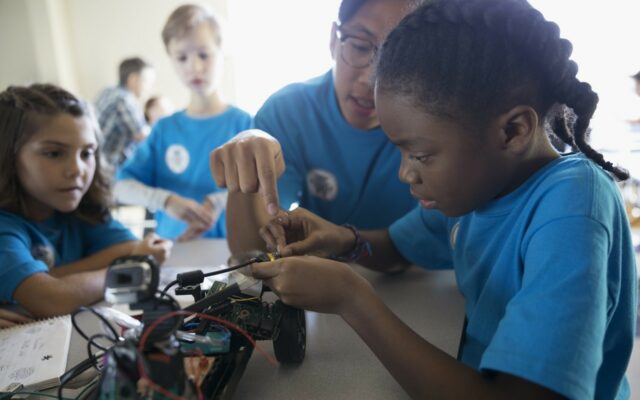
<point>420,159</point>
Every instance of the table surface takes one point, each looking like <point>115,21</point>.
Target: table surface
<point>338,365</point>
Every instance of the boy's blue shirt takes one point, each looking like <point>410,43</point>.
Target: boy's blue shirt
<point>175,157</point>
<point>548,275</point>
<point>65,238</point>
<point>343,174</point>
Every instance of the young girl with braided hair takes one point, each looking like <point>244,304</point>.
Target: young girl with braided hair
<point>56,234</point>
<point>539,241</point>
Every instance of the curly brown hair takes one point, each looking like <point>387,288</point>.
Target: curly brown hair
<point>23,110</point>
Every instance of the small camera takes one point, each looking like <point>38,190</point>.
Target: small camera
<point>131,279</point>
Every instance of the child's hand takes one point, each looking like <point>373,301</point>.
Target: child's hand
<point>301,232</point>
<point>154,246</point>
<point>313,283</point>
<point>216,203</point>
<point>10,318</point>
<point>251,162</point>
<point>189,211</point>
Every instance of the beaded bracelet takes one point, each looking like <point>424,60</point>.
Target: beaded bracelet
<point>360,248</point>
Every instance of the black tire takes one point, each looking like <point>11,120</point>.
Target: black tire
<point>290,336</point>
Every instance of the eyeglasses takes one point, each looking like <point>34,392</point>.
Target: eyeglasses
<point>356,52</point>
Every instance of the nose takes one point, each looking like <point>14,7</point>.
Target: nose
<point>366,76</point>
<point>196,64</point>
<point>74,167</point>
<point>406,174</point>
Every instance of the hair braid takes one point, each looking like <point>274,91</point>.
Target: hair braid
<point>478,58</point>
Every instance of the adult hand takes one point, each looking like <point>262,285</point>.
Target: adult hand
<point>251,162</point>
<point>301,232</point>
<point>9,318</point>
<point>313,283</point>
<point>155,246</point>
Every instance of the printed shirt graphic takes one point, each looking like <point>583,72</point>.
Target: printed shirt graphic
<point>322,184</point>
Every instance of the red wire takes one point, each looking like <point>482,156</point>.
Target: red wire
<point>168,315</point>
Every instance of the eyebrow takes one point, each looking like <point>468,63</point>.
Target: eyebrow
<point>359,29</point>
<point>56,143</point>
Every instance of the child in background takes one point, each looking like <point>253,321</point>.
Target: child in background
<point>155,108</point>
<point>56,234</point>
<point>169,173</point>
<point>540,242</point>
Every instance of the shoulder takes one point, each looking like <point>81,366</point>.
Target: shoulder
<point>238,115</point>
<point>576,186</point>
<point>13,223</point>
<point>292,94</point>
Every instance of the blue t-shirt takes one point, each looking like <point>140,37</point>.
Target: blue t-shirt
<point>343,174</point>
<point>28,247</point>
<point>175,157</point>
<point>548,275</point>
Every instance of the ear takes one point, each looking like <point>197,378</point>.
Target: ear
<point>333,40</point>
<point>518,128</point>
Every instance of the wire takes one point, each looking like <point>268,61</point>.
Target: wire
<point>221,321</point>
<point>97,314</point>
<point>221,271</point>
<point>86,388</point>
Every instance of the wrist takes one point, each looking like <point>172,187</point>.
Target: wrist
<point>354,246</point>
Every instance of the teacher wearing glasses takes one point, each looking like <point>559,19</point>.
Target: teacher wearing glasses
<point>318,144</point>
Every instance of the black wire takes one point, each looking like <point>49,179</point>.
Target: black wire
<point>221,271</point>
<point>92,341</point>
<point>97,314</point>
<point>244,264</point>
<point>166,288</point>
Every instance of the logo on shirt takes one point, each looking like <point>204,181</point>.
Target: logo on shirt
<point>177,158</point>
<point>322,184</point>
<point>43,253</point>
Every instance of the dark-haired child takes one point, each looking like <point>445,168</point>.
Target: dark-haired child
<point>56,233</point>
<point>539,242</point>
<point>169,172</point>
<point>339,163</point>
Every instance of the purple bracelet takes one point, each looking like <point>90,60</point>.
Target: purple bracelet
<point>361,247</point>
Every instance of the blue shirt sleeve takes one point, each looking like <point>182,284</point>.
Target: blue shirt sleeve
<point>422,237</point>
<point>17,263</point>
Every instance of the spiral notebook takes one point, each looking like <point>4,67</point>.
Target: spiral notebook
<point>35,354</point>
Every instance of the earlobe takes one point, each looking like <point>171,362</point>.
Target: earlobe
<point>519,126</point>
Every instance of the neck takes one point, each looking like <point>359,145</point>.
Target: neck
<point>206,106</point>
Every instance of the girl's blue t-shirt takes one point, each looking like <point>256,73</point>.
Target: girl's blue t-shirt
<point>548,274</point>
<point>28,247</point>
<point>175,157</point>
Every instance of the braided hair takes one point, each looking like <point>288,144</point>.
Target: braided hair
<point>23,111</point>
<point>473,59</point>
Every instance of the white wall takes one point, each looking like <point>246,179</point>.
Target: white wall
<point>18,65</point>
<point>79,43</point>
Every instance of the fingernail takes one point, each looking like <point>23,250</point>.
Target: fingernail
<point>272,209</point>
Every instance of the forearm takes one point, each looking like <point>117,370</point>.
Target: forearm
<point>96,261</point>
<point>422,369</point>
<point>384,257</point>
<point>245,217</point>
<point>43,295</point>
<point>130,191</point>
